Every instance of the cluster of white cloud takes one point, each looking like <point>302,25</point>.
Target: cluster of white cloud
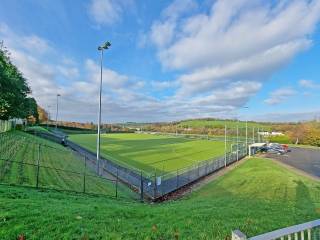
<point>241,40</point>
<point>106,12</point>
<point>309,84</point>
<point>280,95</point>
<point>223,56</point>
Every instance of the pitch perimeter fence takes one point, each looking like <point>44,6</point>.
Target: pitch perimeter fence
<point>153,186</point>
<point>24,162</point>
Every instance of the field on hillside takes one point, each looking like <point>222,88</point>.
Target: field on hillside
<point>256,197</point>
<point>150,152</point>
<point>221,123</point>
<point>59,168</point>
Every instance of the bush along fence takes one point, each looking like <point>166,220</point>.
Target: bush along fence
<point>5,126</point>
<point>154,186</point>
<point>24,162</point>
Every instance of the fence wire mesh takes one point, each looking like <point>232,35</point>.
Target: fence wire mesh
<point>25,161</point>
<point>68,174</point>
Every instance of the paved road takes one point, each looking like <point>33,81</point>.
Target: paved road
<point>307,160</point>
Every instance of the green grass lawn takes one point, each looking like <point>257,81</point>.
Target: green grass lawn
<point>257,197</point>
<point>60,168</point>
<point>200,123</point>
<point>149,153</point>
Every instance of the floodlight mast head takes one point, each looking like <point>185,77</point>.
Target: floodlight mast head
<point>106,45</point>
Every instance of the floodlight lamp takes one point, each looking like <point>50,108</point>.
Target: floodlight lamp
<point>106,45</point>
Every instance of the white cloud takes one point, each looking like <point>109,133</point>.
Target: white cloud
<point>35,44</point>
<point>309,84</point>
<point>229,33</point>
<point>284,116</point>
<point>178,8</point>
<point>106,12</point>
<point>160,85</point>
<point>163,32</point>
<point>69,72</point>
<point>280,95</point>
<point>237,41</point>
<point>110,78</point>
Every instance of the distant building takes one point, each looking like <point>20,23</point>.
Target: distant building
<point>270,134</point>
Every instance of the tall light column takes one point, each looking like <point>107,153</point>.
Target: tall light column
<point>225,145</point>
<point>237,142</point>
<point>101,48</point>
<point>57,110</point>
<point>246,137</point>
<point>48,116</point>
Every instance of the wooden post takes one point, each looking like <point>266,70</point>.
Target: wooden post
<point>38,165</point>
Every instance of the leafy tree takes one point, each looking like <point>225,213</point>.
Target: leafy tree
<point>14,90</point>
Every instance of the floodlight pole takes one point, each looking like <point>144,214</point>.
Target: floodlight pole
<point>48,116</point>
<point>253,140</point>
<point>237,141</point>
<point>57,110</point>
<point>101,48</point>
<point>246,136</point>
<point>99,116</point>
<point>225,145</point>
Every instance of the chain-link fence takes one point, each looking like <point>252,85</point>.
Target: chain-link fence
<point>154,186</point>
<point>24,161</point>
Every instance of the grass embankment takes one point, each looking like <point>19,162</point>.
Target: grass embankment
<point>257,197</point>
<point>201,123</point>
<point>149,152</point>
<point>60,168</point>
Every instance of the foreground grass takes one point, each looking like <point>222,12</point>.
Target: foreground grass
<point>151,153</point>
<point>256,197</point>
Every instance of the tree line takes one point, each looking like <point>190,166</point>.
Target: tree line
<point>15,100</point>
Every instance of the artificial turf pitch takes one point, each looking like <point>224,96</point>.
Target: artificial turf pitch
<point>150,152</point>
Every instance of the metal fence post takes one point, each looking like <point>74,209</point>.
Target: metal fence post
<point>155,185</point>
<point>117,184</point>
<point>38,165</point>
<point>84,174</point>
<point>141,187</point>
<point>177,178</point>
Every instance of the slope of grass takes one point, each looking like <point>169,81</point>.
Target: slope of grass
<point>59,169</point>
<point>200,123</point>
<point>257,197</point>
<point>152,152</point>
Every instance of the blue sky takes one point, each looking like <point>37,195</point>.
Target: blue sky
<point>169,60</point>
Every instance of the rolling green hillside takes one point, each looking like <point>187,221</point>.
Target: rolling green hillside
<point>201,123</point>
<point>256,197</point>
